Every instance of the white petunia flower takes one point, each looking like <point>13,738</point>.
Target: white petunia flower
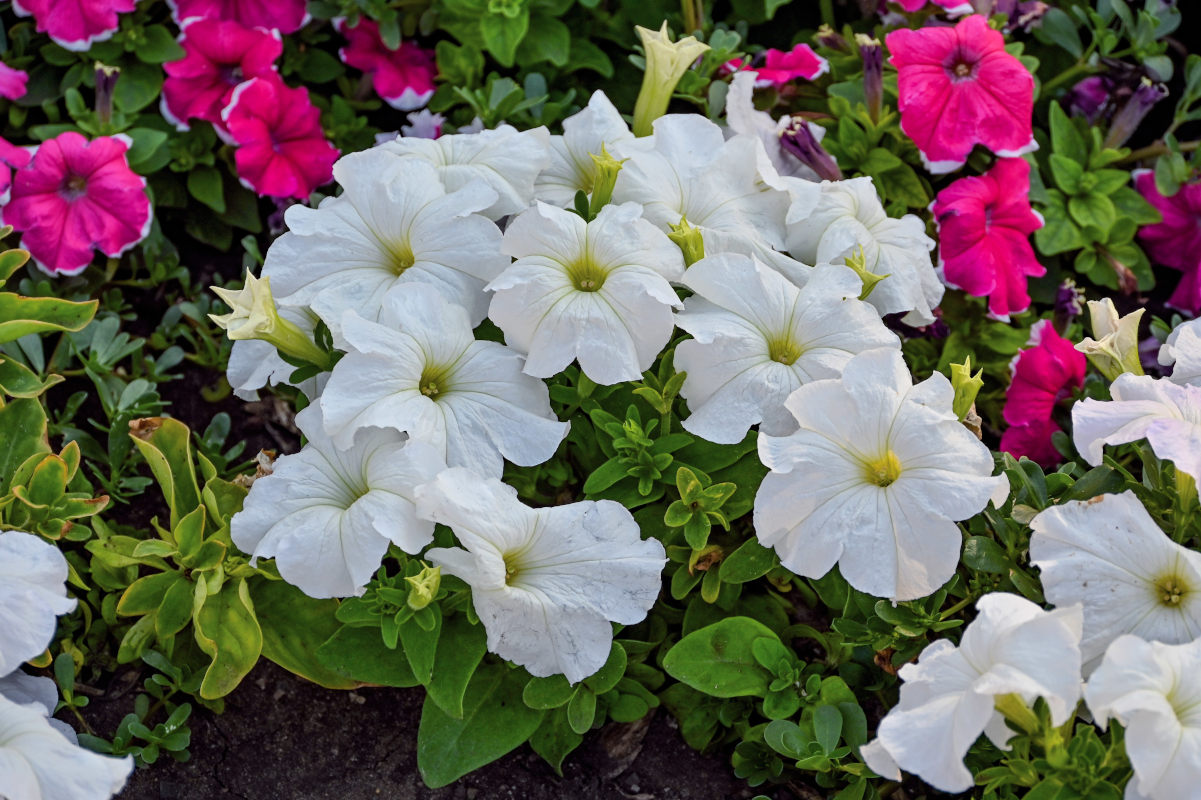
<point>1109,555</point>
<point>1166,414</point>
<point>1152,689</point>
<point>694,173</point>
<point>757,337</point>
<point>255,364</point>
<point>38,762</point>
<point>327,515</point>
<point>873,480</point>
<point>546,582</point>
<point>419,370</point>
<point>571,167</point>
<point>507,160</point>
<point>1182,350</point>
<point>393,224</point>
<point>743,118</point>
<point>33,593</point>
<point>595,291</point>
<point>849,216</point>
<point>948,697</point>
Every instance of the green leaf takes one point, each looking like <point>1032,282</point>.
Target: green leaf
<point>166,445</point>
<point>581,710</point>
<point>318,66</point>
<point>420,645</point>
<point>18,380</point>
<point>1059,29</point>
<point>494,722</point>
<point>20,316</point>
<point>1065,139</point>
<point>146,594</point>
<point>138,87</point>
<point>1131,205</point>
<point>750,561</point>
<point>548,39</point>
<point>610,673</point>
<point>204,183</point>
<point>227,630</point>
<point>145,145</point>
<point>175,611</point>
<point>1093,210</point>
<point>718,659</point>
<point>546,693</point>
<point>158,47</point>
<point>294,625</point>
<point>359,654</point>
<point>827,727</point>
<point>502,34</point>
<point>604,476</point>
<point>23,423</point>
<point>757,11</point>
<point>586,55</point>
<point>461,647</point>
<point>984,555</point>
<point>1067,173</point>
<point>555,739</point>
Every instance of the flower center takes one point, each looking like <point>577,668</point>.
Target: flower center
<point>232,74</point>
<point>1171,590</point>
<point>74,187</point>
<point>586,276</point>
<point>882,471</point>
<point>400,257</point>
<point>512,568</point>
<point>962,67</point>
<point>434,381</point>
<point>783,350</point>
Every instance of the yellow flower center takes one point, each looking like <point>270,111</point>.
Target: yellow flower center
<point>434,381</point>
<point>882,471</point>
<point>586,276</point>
<point>1171,590</point>
<point>402,257</point>
<point>783,349</point>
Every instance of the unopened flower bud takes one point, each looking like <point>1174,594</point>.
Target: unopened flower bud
<point>666,63</point>
<point>966,386</point>
<point>604,179</point>
<point>423,587</point>
<point>858,263</point>
<point>828,37</point>
<point>106,82</point>
<point>689,240</point>
<point>873,73</point>
<point>1127,119</point>
<point>1114,351</point>
<point>254,316</point>
<point>798,140</point>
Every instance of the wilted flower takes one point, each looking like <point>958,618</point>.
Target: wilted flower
<point>757,337</point>
<point>799,140</point>
<point>1109,555</point>
<point>33,592</point>
<point>220,55</point>
<point>545,582</point>
<point>1182,351</point>
<point>1166,414</point>
<point>596,129</point>
<point>76,195</point>
<point>1115,350</point>
<point>949,697</point>
<point>874,480</point>
<point>849,216</point>
<point>327,514</point>
<point>394,223</point>
<point>984,225</point>
<point>12,82</point>
<point>666,63</point>
<point>285,16</point>
<point>1175,242</point>
<point>75,24</point>
<point>282,150</point>
<point>743,118</point>
<point>1044,375</point>
<point>419,370</point>
<point>1127,119</point>
<point>1152,689</point>
<point>403,77</point>
<point>598,291</point>
<point>958,87</point>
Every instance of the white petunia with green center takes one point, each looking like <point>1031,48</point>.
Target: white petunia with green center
<point>757,337</point>
<point>419,370</point>
<point>39,762</point>
<point>597,128</point>
<point>506,159</point>
<point>1182,351</point>
<point>1152,689</point>
<point>949,697</point>
<point>327,515</point>
<point>849,216</point>
<point>598,291</point>
<point>33,593</point>
<point>546,582</point>
<point>1109,555</point>
<point>873,480</point>
<point>393,224</point>
<point>1166,414</point>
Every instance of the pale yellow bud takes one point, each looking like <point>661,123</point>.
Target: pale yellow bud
<point>666,63</point>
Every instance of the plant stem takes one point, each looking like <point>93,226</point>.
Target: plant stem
<point>1069,75</point>
<point>1158,149</point>
<point>694,15</point>
<point>957,607</point>
<point>827,8</point>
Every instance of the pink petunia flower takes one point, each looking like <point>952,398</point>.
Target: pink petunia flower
<point>1044,374</point>
<point>780,68</point>
<point>75,195</point>
<point>285,16</point>
<point>282,151</point>
<point>403,77</point>
<point>13,157</point>
<point>220,55</point>
<point>1175,242</point>
<point>957,87</point>
<point>954,7</point>
<point>984,226</point>
<point>12,82</point>
<point>75,24</point>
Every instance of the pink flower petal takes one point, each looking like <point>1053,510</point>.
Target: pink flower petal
<point>1176,241</point>
<point>286,16</point>
<point>404,77</point>
<point>282,150</point>
<point>12,82</point>
<point>75,195</point>
<point>75,24</point>
<point>1043,375</point>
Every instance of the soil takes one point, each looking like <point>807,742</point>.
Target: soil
<point>282,738</point>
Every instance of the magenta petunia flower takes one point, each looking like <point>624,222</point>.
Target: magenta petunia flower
<point>984,227</point>
<point>954,7</point>
<point>957,87</point>
<point>12,82</point>
<point>74,24</point>
<point>220,55</point>
<point>75,195</point>
<point>1044,374</point>
<point>282,151</point>
<point>403,77</point>
<point>13,157</point>
<point>780,68</point>
<point>1175,242</point>
<point>285,16</point>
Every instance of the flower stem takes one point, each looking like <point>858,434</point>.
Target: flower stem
<point>1069,76</point>
<point>962,604</point>
<point>827,8</point>
<point>1158,149</point>
<point>694,15</point>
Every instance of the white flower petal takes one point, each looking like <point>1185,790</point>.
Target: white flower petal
<point>33,592</point>
<point>571,168</point>
<point>1182,350</point>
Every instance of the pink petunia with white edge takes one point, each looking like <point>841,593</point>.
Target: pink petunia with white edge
<point>12,82</point>
<point>1045,374</point>
<point>282,150</point>
<point>403,77</point>
<point>220,55</point>
<point>781,67</point>
<point>76,195</point>
<point>285,16</point>
<point>75,24</point>
<point>1175,242</point>
<point>954,8</point>
<point>13,157</point>
<point>985,224</point>
<point>958,87</point>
